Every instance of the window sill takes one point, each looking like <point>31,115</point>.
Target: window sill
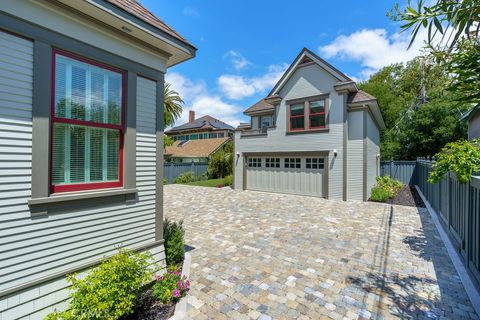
<point>308,131</point>
<point>72,196</point>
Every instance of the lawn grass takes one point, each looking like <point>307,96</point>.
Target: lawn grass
<point>208,183</point>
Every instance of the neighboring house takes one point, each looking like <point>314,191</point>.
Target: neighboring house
<point>81,126</point>
<point>473,118</point>
<point>315,134</point>
<point>194,150</point>
<point>205,127</point>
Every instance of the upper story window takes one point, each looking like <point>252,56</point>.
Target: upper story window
<point>316,114</point>
<point>87,125</point>
<point>266,121</point>
<point>308,115</point>
<point>297,116</point>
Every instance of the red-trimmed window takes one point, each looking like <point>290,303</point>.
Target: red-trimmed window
<point>297,117</point>
<point>87,125</point>
<point>317,114</point>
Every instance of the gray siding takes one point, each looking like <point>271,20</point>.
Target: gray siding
<point>373,149</point>
<point>32,248</point>
<point>355,156</point>
<point>474,126</point>
<point>306,81</point>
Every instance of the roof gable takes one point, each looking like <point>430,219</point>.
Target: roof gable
<point>195,148</point>
<point>306,57</point>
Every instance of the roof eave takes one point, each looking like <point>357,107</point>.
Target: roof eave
<point>175,50</point>
<point>256,112</point>
<point>374,108</point>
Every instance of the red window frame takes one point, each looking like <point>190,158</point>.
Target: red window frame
<point>54,119</point>
<point>296,117</point>
<point>323,113</point>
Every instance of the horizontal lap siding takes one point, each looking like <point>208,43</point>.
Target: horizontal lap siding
<point>373,148</point>
<point>16,83</point>
<point>35,248</point>
<point>355,156</point>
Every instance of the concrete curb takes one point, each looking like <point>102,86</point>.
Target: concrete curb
<point>181,306</point>
<point>472,292</point>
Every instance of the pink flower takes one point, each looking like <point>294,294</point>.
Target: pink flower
<point>180,284</point>
<point>159,278</point>
<point>176,293</point>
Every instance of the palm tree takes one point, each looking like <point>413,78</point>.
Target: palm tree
<point>173,105</point>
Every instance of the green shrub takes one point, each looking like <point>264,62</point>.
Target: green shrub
<point>390,185</point>
<point>221,163</point>
<point>385,188</point>
<point>461,157</point>
<point>379,194</point>
<point>186,177</point>
<point>174,234</point>
<point>170,287</point>
<point>165,181</point>
<point>109,290</point>
<point>228,180</point>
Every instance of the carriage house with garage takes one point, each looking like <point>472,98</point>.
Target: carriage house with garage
<point>81,141</point>
<point>315,134</point>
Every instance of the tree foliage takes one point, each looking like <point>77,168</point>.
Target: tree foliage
<point>453,30</point>
<point>173,105</point>
<point>220,164</point>
<point>461,158</point>
<point>418,111</point>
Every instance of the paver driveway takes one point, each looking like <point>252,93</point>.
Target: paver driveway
<point>261,256</point>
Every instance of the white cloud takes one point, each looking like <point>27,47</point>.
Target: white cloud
<point>238,87</point>
<point>189,11</point>
<point>197,98</point>
<point>374,48</point>
<point>238,61</point>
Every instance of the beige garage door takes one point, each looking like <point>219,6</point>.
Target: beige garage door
<point>295,175</point>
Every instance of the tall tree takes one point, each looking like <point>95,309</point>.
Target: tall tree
<point>453,29</point>
<point>419,114</point>
<point>173,105</point>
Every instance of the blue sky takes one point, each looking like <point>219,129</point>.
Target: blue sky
<point>244,46</point>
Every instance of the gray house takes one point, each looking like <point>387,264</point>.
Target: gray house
<point>81,141</point>
<point>315,134</point>
<point>473,119</point>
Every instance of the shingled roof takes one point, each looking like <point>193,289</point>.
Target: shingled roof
<point>135,8</point>
<point>359,97</point>
<point>261,105</point>
<point>204,122</point>
<point>201,148</point>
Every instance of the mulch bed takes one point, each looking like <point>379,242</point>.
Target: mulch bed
<point>149,309</point>
<point>408,196</point>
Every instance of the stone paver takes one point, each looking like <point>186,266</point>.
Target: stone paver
<point>272,256</point>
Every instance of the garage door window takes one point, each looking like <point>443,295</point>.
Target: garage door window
<point>272,163</point>
<point>314,163</point>
<point>291,163</point>
<point>254,162</point>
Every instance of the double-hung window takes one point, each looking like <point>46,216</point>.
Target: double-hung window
<point>297,116</point>
<point>87,125</point>
<point>317,114</point>
<point>308,115</point>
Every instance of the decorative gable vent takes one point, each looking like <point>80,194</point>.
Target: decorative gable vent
<point>306,60</point>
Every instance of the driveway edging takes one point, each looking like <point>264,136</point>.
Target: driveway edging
<point>181,306</point>
<point>472,292</point>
